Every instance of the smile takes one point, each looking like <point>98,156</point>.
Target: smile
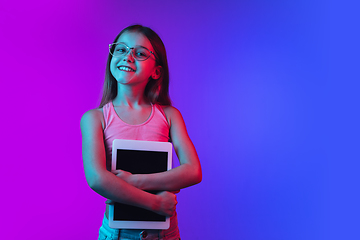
<point>126,69</point>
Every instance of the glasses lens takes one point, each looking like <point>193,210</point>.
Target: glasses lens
<point>141,53</point>
<point>119,50</point>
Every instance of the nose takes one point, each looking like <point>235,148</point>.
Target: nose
<point>129,56</point>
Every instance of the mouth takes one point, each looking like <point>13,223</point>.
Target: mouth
<point>126,69</point>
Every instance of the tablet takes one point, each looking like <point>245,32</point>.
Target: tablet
<point>139,157</point>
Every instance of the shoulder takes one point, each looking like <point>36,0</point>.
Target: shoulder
<point>92,118</point>
<point>170,110</point>
<point>172,114</point>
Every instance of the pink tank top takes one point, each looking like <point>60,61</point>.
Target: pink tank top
<point>155,128</point>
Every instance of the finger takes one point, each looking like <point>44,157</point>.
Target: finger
<point>117,171</point>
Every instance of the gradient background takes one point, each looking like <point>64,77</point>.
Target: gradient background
<point>269,91</point>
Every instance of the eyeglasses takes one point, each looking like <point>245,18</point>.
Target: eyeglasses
<point>138,52</point>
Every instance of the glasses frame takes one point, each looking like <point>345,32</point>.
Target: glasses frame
<point>131,50</point>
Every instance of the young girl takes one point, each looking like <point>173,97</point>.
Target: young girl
<point>136,105</point>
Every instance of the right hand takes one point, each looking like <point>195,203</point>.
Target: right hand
<point>167,203</point>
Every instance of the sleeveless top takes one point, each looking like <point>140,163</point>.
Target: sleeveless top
<point>155,128</point>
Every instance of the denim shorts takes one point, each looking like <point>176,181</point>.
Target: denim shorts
<point>107,233</point>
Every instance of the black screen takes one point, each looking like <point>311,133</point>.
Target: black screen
<point>139,162</point>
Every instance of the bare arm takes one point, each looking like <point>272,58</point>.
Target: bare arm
<point>106,183</point>
<point>185,175</point>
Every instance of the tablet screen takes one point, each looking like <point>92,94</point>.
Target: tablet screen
<point>139,157</point>
<point>139,162</point>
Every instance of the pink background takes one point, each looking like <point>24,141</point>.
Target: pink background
<point>269,91</point>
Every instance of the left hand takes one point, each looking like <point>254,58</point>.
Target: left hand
<point>126,176</point>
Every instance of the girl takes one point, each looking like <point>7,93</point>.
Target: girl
<point>136,105</point>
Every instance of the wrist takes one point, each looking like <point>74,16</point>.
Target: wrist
<point>136,181</point>
<point>156,203</point>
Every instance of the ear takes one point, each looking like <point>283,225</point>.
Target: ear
<point>157,72</point>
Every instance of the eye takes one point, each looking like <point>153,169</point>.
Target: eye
<point>141,52</point>
<point>120,49</point>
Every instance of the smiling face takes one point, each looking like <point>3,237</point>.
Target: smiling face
<point>129,71</point>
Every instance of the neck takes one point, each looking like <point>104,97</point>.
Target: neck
<point>130,96</point>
